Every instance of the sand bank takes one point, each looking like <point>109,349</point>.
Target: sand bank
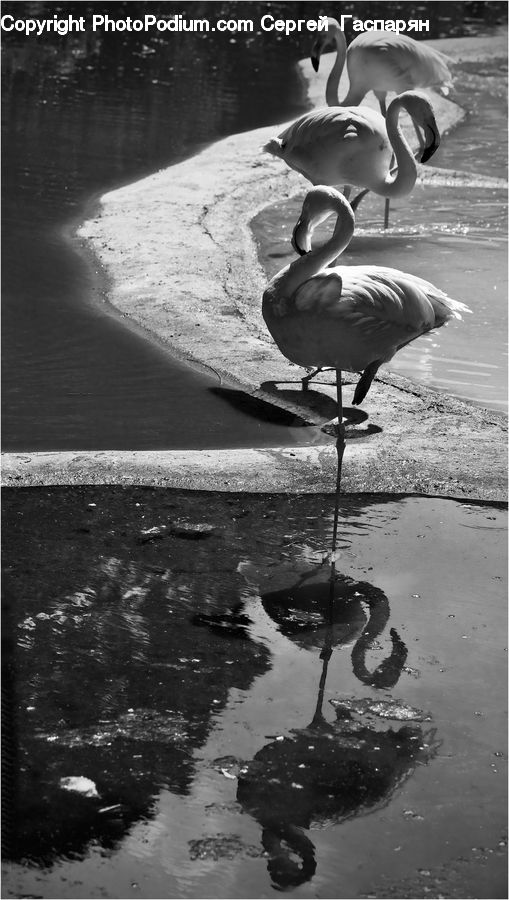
<point>181,261</point>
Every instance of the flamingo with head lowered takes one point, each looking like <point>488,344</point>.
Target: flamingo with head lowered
<point>379,61</point>
<point>352,318</point>
<point>354,145</point>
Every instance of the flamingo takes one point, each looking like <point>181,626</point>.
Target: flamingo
<point>354,145</point>
<point>352,318</point>
<point>380,61</point>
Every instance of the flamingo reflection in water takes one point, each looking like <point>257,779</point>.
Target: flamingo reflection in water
<point>326,773</point>
<point>312,613</point>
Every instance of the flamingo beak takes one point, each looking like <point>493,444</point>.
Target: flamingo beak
<point>315,62</point>
<point>432,138</point>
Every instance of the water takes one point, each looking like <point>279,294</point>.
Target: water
<point>238,741</point>
<point>455,237</point>
<point>82,115</point>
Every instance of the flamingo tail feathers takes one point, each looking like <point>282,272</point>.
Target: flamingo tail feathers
<point>364,382</point>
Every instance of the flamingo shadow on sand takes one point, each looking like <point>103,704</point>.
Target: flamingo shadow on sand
<point>257,407</point>
<point>320,406</point>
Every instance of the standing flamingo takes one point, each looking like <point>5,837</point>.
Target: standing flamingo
<point>354,145</point>
<point>380,61</point>
<point>347,317</point>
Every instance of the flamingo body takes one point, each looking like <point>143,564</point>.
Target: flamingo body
<point>337,144</point>
<point>386,61</point>
<point>348,317</point>
<point>353,145</point>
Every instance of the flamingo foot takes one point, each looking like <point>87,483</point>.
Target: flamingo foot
<point>307,378</point>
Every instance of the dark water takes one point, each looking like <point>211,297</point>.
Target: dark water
<point>82,114</point>
<point>183,716</point>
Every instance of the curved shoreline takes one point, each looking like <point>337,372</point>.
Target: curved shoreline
<point>187,228</point>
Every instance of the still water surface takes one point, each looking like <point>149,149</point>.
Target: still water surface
<point>82,115</point>
<point>236,741</point>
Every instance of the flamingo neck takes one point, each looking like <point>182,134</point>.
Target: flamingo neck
<point>378,618</point>
<point>303,268</point>
<point>387,672</point>
<point>331,89</point>
<point>403,181</point>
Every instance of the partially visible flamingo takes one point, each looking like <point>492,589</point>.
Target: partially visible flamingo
<point>380,61</point>
<point>354,145</point>
<point>346,317</point>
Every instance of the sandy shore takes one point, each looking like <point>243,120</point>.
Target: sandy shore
<point>181,261</point>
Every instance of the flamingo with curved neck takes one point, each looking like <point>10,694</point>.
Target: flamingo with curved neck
<point>346,317</point>
<point>354,145</point>
<point>380,61</point>
<point>386,674</point>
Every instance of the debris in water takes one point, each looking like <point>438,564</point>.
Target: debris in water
<point>192,531</point>
<point>80,784</point>
<point>384,709</point>
<point>222,846</point>
<point>152,534</point>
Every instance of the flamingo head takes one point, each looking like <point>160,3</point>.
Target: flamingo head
<point>326,40</point>
<point>418,106</point>
<point>319,203</point>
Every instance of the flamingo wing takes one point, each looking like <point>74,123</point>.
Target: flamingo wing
<point>372,296</point>
<point>401,62</point>
<point>400,297</point>
<point>366,313</point>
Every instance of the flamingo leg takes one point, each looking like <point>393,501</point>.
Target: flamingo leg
<point>340,448</point>
<point>387,201</point>
<point>347,190</point>
<point>307,378</point>
<point>382,99</point>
